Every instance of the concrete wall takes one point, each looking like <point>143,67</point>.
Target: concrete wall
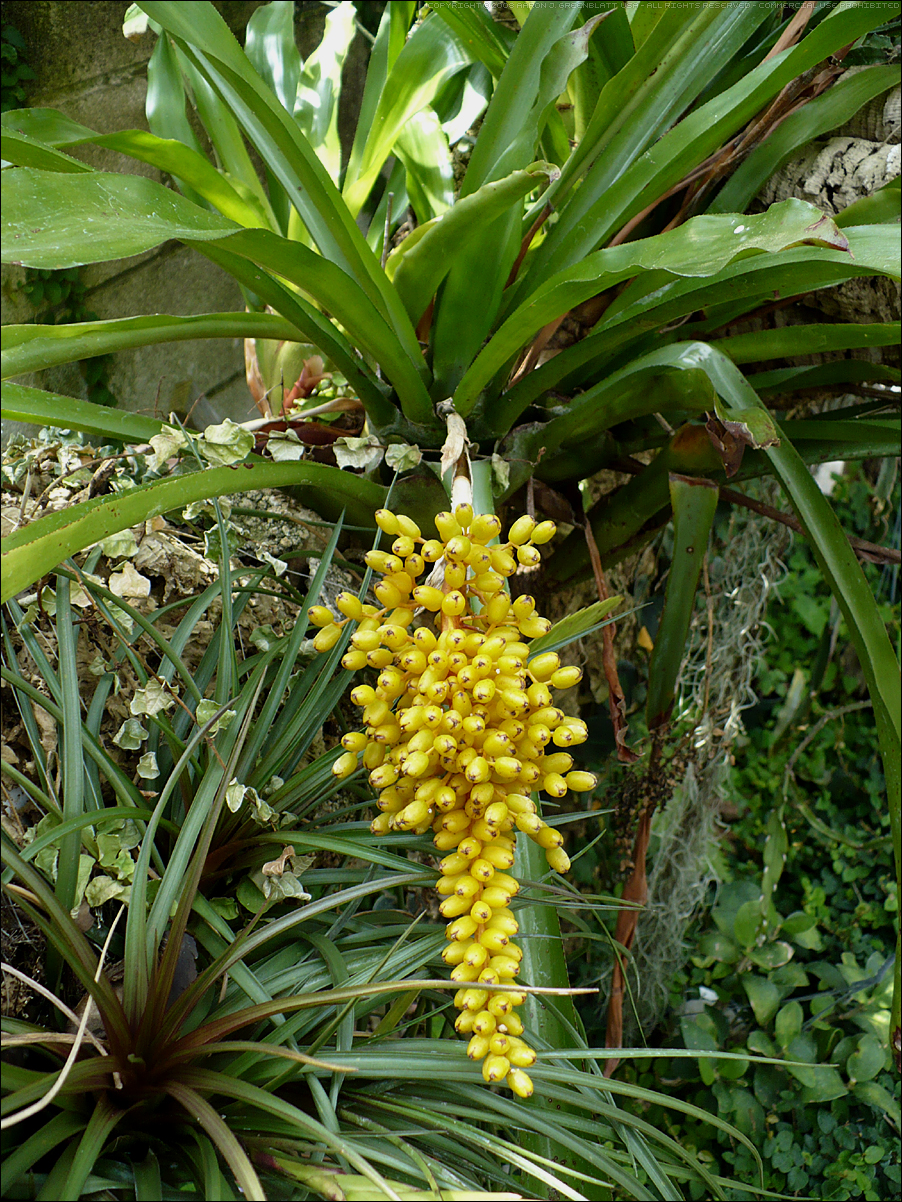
<point>86,69</point>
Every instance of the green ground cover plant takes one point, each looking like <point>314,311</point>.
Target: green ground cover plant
<point>797,957</point>
<point>581,242</point>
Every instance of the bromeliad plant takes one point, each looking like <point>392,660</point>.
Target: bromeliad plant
<point>572,291</point>
<point>220,1059</point>
<point>456,731</point>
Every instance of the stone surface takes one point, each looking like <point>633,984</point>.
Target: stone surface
<point>86,68</point>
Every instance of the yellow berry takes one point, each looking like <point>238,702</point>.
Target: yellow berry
<point>472,999</point>
<point>554,785</point>
<point>455,575</point>
<point>430,598</point>
<point>549,838</point>
<point>386,521</point>
<point>477,1047</point>
<point>581,782</point>
<point>447,526</point>
<point>495,897</point>
<point>519,1083</point>
<point>542,667</point>
<point>463,1024</point>
<point>454,604</point>
<point>504,966</point>
<point>495,1068</point>
<point>565,678</point>
<point>454,907</point>
<point>484,527</point>
<point>320,616</point>
<point>500,1044</point>
<point>521,531</point>
<point>345,765</point>
<point>558,860</point>
<point>462,929</point>
<point>534,628</point>
<point>326,639</point>
<point>502,561</point>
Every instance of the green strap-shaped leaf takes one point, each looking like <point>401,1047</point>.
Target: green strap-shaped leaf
<point>36,347</point>
<point>340,295</point>
<point>636,325</point>
<point>807,340</point>
<point>422,146</point>
<point>24,150</point>
<point>838,371</point>
<point>431,55</point>
<point>883,207</point>
<point>166,154</point>
<point>51,220</point>
<point>842,571</point>
<point>515,95</point>
<point>701,247</point>
<point>316,108</point>
<point>21,404</point>
<point>270,45</point>
<point>167,98</point>
<point>421,269</point>
<point>694,502</point>
<point>323,333</point>
<point>608,54</point>
<point>625,520</point>
<point>822,115</point>
<point>623,180</point>
<point>484,38</point>
<point>206,41</point>
<point>575,626</point>
<point>32,551</point>
<point>634,110</point>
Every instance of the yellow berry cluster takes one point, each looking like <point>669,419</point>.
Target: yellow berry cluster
<point>460,727</point>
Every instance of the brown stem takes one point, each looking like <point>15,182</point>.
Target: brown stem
<point>527,242</point>
<point>872,552</point>
<point>616,699</point>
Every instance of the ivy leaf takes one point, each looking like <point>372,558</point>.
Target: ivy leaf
<point>501,475</point>
<point>153,699</point>
<point>285,446</point>
<point>279,566</point>
<point>129,583</point>
<point>402,457</point>
<point>225,444</point>
<point>165,445</point>
<point>147,766</point>
<point>264,637</point>
<point>358,453</point>
<point>234,795</point>
<point>130,735</point>
<point>103,889</point>
<point>121,545</point>
<point>205,711</point>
